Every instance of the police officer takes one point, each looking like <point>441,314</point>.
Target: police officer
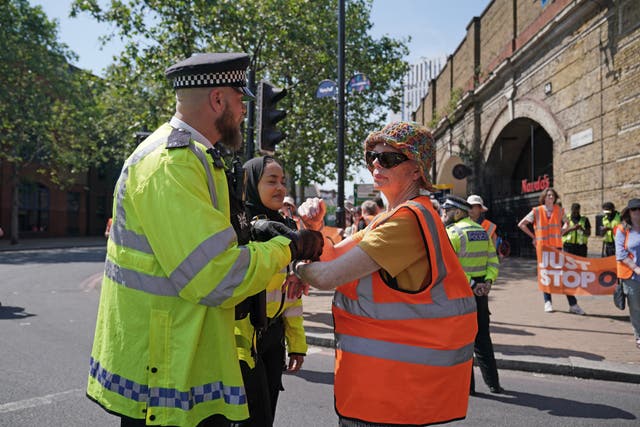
<point>477,254</point>
<point>164,348</point>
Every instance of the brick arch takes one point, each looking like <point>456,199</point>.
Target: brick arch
<point>445,175</point>
<point>529,108</point>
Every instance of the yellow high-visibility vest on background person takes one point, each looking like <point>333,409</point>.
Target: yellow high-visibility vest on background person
<point>576,237</point>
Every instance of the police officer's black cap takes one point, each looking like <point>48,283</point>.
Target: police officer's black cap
<point>211,70</point>
<point>456,202</point>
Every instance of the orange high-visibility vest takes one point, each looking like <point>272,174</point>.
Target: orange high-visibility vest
<point>401,357</point>
<point>548,230</point>
<point>489,227</point>
<point>624,272</point>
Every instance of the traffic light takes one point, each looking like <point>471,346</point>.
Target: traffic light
<point>268,116</point>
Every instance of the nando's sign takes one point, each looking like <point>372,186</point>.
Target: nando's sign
<point>542,183</point>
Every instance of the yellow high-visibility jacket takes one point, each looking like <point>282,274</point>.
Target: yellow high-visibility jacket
<point>474,248</point>
<point>164,347</point>
<point>291,313</point>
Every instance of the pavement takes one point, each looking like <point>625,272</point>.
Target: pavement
<point>599,345</point>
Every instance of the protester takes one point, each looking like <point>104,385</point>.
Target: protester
<point>575,232</point>
<point>262,342</point>
<point>107,229</point>
<point>547,219</point>
<point>369,210</point>
<point>477,255</point>
<point>164,351</point>
<point>476,213</point>
<point>404,314</point>
<point>610,221</point>
<point>627,240</point>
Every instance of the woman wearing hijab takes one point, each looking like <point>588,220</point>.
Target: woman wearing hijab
<point>263,339</point>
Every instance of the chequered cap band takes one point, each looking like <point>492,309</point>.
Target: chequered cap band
<point>224,78</point>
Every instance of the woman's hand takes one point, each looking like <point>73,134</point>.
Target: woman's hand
<point>295,287</point>
<point>312,213</point>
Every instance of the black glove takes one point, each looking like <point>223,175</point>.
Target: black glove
<point>263,230</point>
<point>305,244</point>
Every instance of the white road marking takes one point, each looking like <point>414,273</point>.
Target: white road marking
<point>40,401</point>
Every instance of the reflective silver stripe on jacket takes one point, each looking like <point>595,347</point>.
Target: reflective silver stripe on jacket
<point>293,311</point>
<point>119,232</point>
<point>403,352</point>
<point>187,270</point>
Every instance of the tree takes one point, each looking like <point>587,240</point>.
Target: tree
<point>46,105</point>
<point>293,44</point>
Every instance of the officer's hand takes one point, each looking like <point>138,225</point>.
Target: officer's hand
<point>306,245</point>
<point>263,230</point>
<point>295,362</point>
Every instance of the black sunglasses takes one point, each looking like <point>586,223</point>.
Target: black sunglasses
<point>387,159</point>
<point>634,209</point>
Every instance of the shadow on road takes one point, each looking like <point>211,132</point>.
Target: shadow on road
<point>535,350</point>
<point>9,312</point>
<point>51,256</point>
<point>316,376</point>
<point>561,407</point>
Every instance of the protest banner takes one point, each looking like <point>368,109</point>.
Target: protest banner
<point>563,273</point>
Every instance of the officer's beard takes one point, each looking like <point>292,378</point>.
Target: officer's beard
<point>230,134</point>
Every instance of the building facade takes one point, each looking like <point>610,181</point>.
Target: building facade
<point>541,94</point>
<point>415,85</point>
<point>46,210</point>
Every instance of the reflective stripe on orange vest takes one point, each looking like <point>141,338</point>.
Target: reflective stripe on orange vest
<point>405,358</point>
<point>624,272</point>
<point>548,230</point>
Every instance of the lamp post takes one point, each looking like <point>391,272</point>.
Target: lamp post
<point>340,223</point>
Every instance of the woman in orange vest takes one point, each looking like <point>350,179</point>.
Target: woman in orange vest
<point>547,219</point>
<point>404,314</point>
<point>627,239</point>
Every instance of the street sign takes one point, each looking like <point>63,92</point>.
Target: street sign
<point>326,89</point>
<point>364,192</point>
<point>358,83</point>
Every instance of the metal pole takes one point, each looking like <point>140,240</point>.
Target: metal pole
<point>340,161</point>
<point>249,148</point>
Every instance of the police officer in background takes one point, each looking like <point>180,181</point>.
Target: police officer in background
<point>610,221</point>
<point>476,213</point>
<point>164,349</point>
<point>477,254</point>
<point>575,232</point>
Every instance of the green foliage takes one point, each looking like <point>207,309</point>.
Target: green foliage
<point>46,105</point>
<point>293,44</point>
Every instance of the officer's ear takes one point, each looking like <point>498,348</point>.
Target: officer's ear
<point>216,99</point>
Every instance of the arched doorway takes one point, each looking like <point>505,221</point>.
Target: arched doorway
<point>518,167</point>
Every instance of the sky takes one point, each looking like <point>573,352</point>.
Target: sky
<point>436,29</point>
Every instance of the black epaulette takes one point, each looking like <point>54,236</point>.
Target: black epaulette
<point>178,138</point>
